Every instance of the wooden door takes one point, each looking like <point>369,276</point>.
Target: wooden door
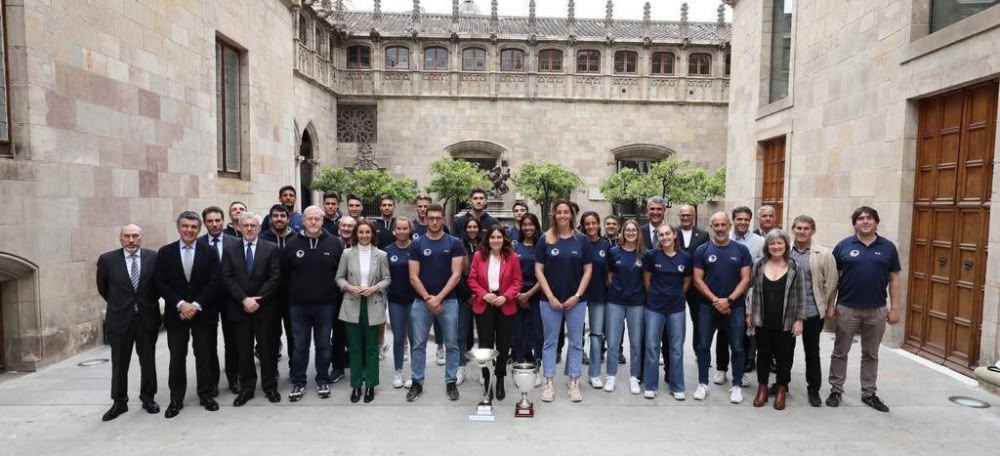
<point>773,191</point>
<point>951,212</point>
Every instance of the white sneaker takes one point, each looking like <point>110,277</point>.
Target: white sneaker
<point>735,395</point>
<point>596,382</point>
<point>661,359</point>
<point>680,396</point>
<point>408,383</point>
<point>609,384</point>
<point>701,392</point>
<point>460,375</point>
<point>746,381</point>
<point>440,355</point>
<point>538,378</point>
<point>649,394</point>
<point>633,385</point>
<point>482,381</point>
<point>720,377</point>
<point>397,379</point>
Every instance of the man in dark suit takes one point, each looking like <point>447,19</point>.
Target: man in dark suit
<point>217,240</point>
<point>656,209</point>
<point>125,281</point>
<point>251,271</point>
<point>187,275</point>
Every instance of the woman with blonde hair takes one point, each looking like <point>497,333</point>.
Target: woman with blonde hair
<point>625,299</point>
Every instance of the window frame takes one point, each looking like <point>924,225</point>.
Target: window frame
<point>303,30</point>
<point>397,66</point>
<point>511,52</point>
<point>7,132</point>
<point>476,51</point>
<point>588,60</point>
<point>708,70</point>
<point>635,62</point>
<point>436,50</point>
<point>358,65</point>
<point>221,46</point>
<point>653,67</point>
<point>549,68</point>
<point>937,21</point>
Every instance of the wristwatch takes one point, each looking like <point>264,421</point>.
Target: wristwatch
<point>577,295</point>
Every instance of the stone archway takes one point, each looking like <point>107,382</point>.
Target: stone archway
<point>20,324</point>
<point>492,158</point>
<point>306,159</point>
<point>638,157</point>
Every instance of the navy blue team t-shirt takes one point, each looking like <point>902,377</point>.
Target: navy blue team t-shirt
<point>435,261</point>
<point>420,230</point>
<point>563,264</point>
<point>597,289</point>
<point>526,257</point>
<point>625,267</point>
<point>864,271</point>
<point>722,267</point>
<point>400,291</point>
<point>666,281</point>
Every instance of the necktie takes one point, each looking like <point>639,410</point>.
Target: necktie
<point>187,261</point>
<point>215,245</point>
<point>249,257</point>
<point>134,270</point>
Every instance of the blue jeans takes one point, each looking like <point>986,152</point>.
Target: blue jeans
<point>617,315</point>
<point>421,319</point>
<point>595,314</point>
<point>551,322</point>
<point>311,323</point>
<point>527,336</point>
<point>709,320</point>
<point>399,321</point>
<point>675,325</point>
<point>464,329</point>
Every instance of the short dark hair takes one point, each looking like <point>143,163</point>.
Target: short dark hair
<point>423,198</point>
<point>277,208</point>
<point>188,215</point>
<point>370,225</point>
<point>241,203</point>
<point>476,190</point>
<point>287,187</point>
<point>519,203</point>
<point>742,210</point>
<point>331,194</point>
<point>435,207</point>
<point>354,196</point>
<point>386,197</point>
<point>864,210</point>
<point>612,217</point>
<point>211,209</point>
<point>804,219</point>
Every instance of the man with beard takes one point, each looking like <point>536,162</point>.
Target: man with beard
<point>331,212</point>
<point>477,201</point>
<point>280,233</point>
<point>287,197</point>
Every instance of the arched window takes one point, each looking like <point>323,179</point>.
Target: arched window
<point>435,58</point>
<point>359,57</point>
<point>639,157</point>
<point>511,60</point>
<point>700,64</point>
<point>318,33</point>
<point>397,58</point>
<point>474,59</point>
<point>662,63</point>
<point>588,61</point>
<point>550,60</point>
<point>626,61</point>
<point>729,62</point>
<point>303,30</point>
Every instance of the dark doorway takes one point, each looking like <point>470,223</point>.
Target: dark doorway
<point>306,170</point>
<point>3,350</point>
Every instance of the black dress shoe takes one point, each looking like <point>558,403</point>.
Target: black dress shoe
<point>273,396</point>
<point>173,409</point>
<point>874,402</point>
<point>369,394</point>
<point>814,399</point>
<point>214,392</point>
<point>234,388</point>
<point>243,398</point>
<point>209,404</point>
<point>116,409</point>
<point>355,395</point>
<point>498,388</point>
<point>151,407</point>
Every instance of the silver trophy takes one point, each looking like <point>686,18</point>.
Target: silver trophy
<point>524,381</point>
<point>485,358</point>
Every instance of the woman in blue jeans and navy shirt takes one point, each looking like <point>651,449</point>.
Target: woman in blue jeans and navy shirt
<point>527,332</point>
<point>563,269</point>
<point>667,276</point>
<point>625,299</point>
<point>400,294</point>
<point>597,292</point>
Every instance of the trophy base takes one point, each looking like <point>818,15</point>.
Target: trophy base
<point>525,412</point>
<point>483,415</point>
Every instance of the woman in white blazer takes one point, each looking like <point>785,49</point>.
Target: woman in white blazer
<point>363,275</point>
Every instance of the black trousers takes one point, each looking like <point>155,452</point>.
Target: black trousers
<point>283,320</point>
<point>494,332</point>
<point>811,330</point>
<point>258,327</point>
<point>231,353</point>
<point>779,345</point>
<point>203,340</point>
<point>144,342</point>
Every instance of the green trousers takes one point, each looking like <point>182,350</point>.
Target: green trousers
<point>363,340</point>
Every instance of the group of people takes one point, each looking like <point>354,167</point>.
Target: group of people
<point>332,281</point>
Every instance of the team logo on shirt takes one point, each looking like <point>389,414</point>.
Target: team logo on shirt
<point>427,252</point>
<point>554,252</point>
<point>680,268</point>
<point>394,258</point>
<point>300,254</point>
<point>658,266</point>
<point>416,236</point>
<point>638,263</point>
<point>854,253</point>
<point>712,258</point>
<point>600,252</point>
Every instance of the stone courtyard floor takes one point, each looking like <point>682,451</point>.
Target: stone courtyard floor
<point>57,411</point>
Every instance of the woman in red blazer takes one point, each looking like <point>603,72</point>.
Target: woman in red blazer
<point>495,280</point>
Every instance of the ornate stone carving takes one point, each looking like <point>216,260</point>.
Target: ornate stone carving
<point>499,176</point>
<point>366,157</point>
<point>357,124</point>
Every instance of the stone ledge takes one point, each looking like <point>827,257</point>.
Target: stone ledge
<point>988,380</point>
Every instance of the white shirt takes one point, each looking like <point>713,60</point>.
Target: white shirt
<point>365,258</point>
<point>128,261</point>
<point>687,236</point>
<point>253,248</point>
<point>193,250</point>
<point>217,245</point>
<point>493,273</point>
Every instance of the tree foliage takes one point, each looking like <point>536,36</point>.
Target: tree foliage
<point>544,182</point>
<point>369,184</point>
<point>452,179</point>
<point>673,179</point>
